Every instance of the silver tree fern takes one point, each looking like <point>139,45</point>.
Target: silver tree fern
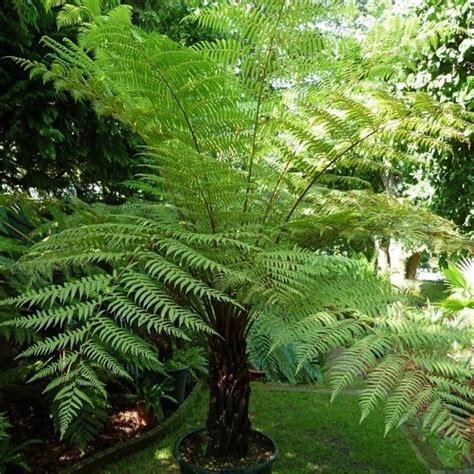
<point>234,176</point>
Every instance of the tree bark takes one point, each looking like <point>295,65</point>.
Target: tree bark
<point>411,266</point>
<point>383,255</point>
<point>397,262</point>
<point>228,423</point>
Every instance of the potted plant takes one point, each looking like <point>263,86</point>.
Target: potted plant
<point>190,360</point>
<point>148,397</point>
<point>234,180</point>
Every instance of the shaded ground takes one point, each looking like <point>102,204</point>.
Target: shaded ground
<point>31,420</point>
<point>312,436</point>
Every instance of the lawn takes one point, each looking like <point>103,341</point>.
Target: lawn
<point>312,435</point>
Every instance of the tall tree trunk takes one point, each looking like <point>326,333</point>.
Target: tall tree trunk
<point>397,262</point>
<point>383,256</point>
<point>228,423</point>
<point>411,266</point>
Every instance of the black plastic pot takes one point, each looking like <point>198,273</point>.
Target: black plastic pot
<point>179,377</point>
<point>188,468</point>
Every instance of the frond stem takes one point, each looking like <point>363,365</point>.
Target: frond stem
<point>275,190</point>
<point>208,206</point>
<point>183,111</point>
<point>325,168</point>
<point>259,105</point>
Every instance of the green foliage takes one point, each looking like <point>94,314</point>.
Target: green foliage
<point>98,318</point>
<point>22,221</point>
<point>151,395</point>
<point>413,372</point>
<point>11,455</point>
<point>284,347</point>
<point>279,363</point>
<point>446,451</point>
<point>460,279</point>
<point>4,426</point>
<point>444,69</point>
<point>50,142</point>
<point>192,358</point>
<point>78,404</point>
<point>424,49</point>
<point>413,363</point>
<point>418,122</point>
<point>169,19</point>
<point>435,58</point>
<point>445,72</point>
<point>236,163</point>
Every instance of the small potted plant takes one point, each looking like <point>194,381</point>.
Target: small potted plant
<point>147,397</point>
<point>186,361</point>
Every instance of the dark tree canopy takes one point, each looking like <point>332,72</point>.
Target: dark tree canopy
<point>446,72</point>
<point>48,141</point>
<point>167,18</point>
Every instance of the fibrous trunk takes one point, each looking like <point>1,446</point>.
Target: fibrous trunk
<point>228,424</point>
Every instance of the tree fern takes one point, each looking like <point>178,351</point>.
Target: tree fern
<point>412,373</point>
<point>235,163</point>
<point>414,364</point>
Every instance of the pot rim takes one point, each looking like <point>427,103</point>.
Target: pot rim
<point>179,458</point>
<point>177,369</point>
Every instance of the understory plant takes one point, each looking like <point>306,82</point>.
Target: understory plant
<point>460,279</point>
<point>277,360</point>
<point>242,161</point>
<point>192,358</point>
<point>148,396</point>
<point>11,455</point>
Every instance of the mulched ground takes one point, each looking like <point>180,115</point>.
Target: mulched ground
<point>29,415</point>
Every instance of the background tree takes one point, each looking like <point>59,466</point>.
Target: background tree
<point>445,71</point>
<point>50,142</point>
<point>393,51</point>
<point>169,19</point>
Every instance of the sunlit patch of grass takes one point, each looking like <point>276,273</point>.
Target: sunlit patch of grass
<point>163,454</point>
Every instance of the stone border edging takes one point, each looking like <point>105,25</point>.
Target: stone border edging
<point>126,448</point>
<point>423,450</point>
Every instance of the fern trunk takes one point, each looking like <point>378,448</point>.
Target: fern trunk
<point>228,423</point>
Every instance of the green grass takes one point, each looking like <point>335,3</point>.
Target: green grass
<point>312,435</point>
